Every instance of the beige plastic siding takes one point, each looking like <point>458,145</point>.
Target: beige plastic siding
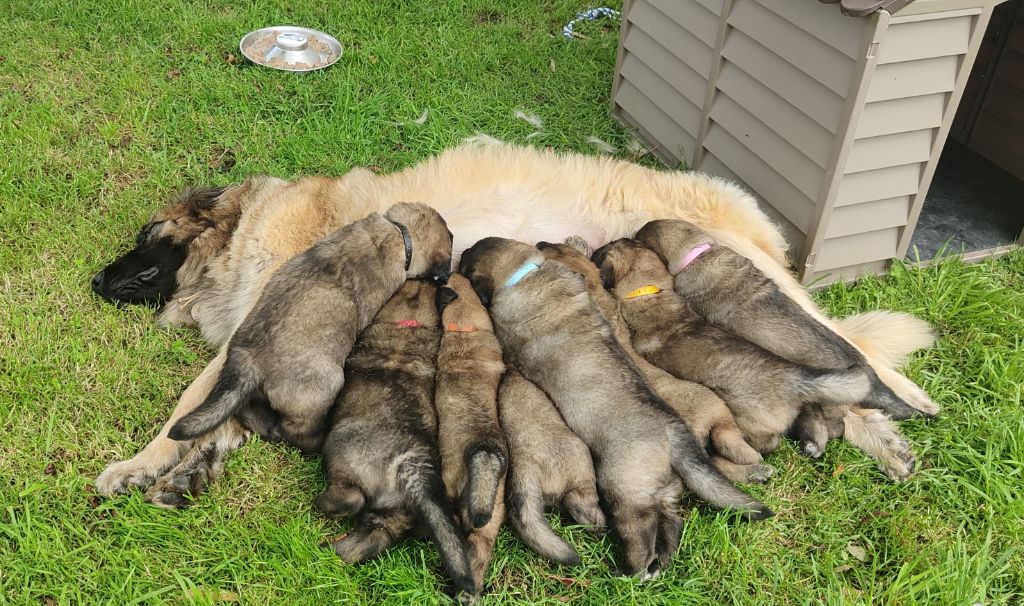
<point>834,122</point>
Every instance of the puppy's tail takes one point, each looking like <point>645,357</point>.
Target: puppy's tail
<point>486,463</point>
<point>887,337</point>
<point>525,508</point>
<point>236,385</point>
<point>422,484</point>
<point>691,462</point>
<point>847,386</point>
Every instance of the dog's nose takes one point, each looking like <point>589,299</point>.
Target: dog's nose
<point>97,280</point>
<point>442,272</point>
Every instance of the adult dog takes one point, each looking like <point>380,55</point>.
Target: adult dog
<point>221,246</point>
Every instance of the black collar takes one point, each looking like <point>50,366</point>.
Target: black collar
<point>407,240</point>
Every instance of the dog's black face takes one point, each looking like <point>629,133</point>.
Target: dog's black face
<point>146,274</point>
<point>470,266</point>
<point>443,297</point>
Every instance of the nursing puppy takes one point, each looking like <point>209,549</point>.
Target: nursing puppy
<point>549,467</point>
<point>764,391</point>
<point>285,362</point>
<point>707,415</point>
<point>473,452</point>
<point>380,457</point>
<point>728,290</point>
<point>552,333</point>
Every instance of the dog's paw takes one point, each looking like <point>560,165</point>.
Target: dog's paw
<point>812,449</point>
<point>759,473</point>
<point>179,488</point>
<point>898,462</point>
<point>121,477</point>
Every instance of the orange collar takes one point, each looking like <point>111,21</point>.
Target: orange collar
<point>453,327</point>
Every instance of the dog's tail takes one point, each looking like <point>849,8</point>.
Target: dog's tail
<point>844,386</point>
<point>885,399</point>
<point>422,484</point>
<point>486,463</point>
<point>692,464</point>
<point>887,337</point>
<point>525,509</point>
<point>236,385</point>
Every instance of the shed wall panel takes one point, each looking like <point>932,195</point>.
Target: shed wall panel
<point>923,39</point>
<point>810,55</point>
<point>817,279</point>
<point>913,78</point>
<point>901,115</point>
<point>878,184</point>
<point>669,135</point>
<point>668,99</point>
<point>683,44</point>
<point>890,150</point>
<point>762,178</point>
<point>858,248</point>
<point>777,114</point>
<point>693,17</point>
<point>824,22</point>
<point>868,216</point>
<point>775,151</point>
<point>684,77</point>
<point>802,91</point>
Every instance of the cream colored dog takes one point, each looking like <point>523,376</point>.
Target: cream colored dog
<point>223,245</point>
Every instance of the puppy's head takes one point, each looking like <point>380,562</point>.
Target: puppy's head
<point>573,257</point>
<point>489,264</point>
<point>627,265</point>
<point>672,239</point>
<point>191,228</point>
<point>431,240</point>
<point>413,302</point>
<point>459,304</point>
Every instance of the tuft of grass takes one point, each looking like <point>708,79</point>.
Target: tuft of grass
<point>115,105</point>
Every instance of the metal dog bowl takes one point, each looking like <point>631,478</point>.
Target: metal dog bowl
<point>290,48</point>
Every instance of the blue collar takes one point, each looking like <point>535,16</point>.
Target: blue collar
<point>527,269</point>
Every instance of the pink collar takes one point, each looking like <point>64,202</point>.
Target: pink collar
<point>697,251</point>
<point>409,324</point>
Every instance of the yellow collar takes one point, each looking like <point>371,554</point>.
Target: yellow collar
<point>643,291</point>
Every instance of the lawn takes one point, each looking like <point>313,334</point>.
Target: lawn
<point>107,108</point>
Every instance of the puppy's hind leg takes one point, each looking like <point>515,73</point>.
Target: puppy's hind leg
<point>197,469</point>
<point>584,506</point>
<point>340,500</point>
<point>872,432</point>
<point>758,473</point>
<point>728,441</point>
<point>374,532</point>
<point>162,453</point>
<point>637,527</point>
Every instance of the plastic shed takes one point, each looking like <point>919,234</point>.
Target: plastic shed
<point>834,116</point>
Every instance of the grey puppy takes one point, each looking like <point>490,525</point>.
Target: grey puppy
<point>285,362</point>
<point>764,391</point>
<point>707,415</point>
<point>549,466</point>
<point>474,456</point>
<point>380,457</point>
<point>728,290</point>
<point>553,334</point>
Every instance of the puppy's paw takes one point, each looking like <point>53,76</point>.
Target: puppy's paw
<point>812,449</point>
<point>121,477</point>
<point>898,462</point>
<point>759,473</point>
<point>177,489</point>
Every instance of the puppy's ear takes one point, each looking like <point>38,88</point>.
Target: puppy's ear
<point>443,297</point>
<point>484,288</point>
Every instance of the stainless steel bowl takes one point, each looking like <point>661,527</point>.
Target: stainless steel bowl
<point>290,48</point>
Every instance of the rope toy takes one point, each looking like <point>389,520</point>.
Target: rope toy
<point>591,14</point>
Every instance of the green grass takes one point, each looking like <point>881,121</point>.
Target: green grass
<point>108,107</point>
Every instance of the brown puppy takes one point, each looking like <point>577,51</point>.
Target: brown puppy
<point>728,290</point>
<point>553,334</point>
<point>549,466</point>
<point>764,391</point>
<point>380,457</point>
<point>473,452</point>
<point>285,362</point>
<point>707,415</point>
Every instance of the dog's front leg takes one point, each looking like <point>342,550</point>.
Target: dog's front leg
<point>162,453</point>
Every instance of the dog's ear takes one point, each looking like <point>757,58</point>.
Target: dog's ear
<point>607,276</point>
<point>443,297</point>
<point>484,288</point>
